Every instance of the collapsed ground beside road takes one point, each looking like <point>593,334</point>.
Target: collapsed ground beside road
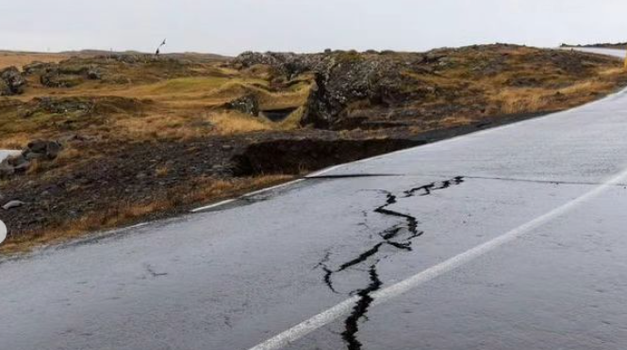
<point>131,137</point>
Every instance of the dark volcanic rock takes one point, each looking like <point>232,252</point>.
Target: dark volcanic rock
<point>36,67</point>
<point>246,104</point>
<point>62,105</point>
<point>53,77</point>
<point>36,150</point>
<point>342,78</point>
<point>11,82</point>
<point>39,149</point>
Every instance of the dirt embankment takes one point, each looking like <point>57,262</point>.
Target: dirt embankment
<point>134,137</point>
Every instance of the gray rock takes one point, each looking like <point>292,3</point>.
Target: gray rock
<point>94,74</point>
<point>343,77</point>
<point>246,104</point>
<point>36,67</point>
<point>13,82</point>
<point>13,204</point>
<point>39,149</point>
<point>6,169</point>
<point>36,150</point>
<point>22,167</point>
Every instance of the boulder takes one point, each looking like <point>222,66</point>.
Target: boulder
<point>13,82</point>
<point>6,169</point>
<point>52,77</point>
<point>36,150</point>
<point>36,67</point>
<point>39,149</point>
<point>247,104</point>
<point>93,73</point>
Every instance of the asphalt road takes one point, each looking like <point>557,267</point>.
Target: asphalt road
<point>510,238</point>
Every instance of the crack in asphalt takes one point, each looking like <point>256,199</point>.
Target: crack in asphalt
<point>391,236</point>
<point>360,310</point>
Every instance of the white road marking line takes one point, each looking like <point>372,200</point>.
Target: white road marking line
<point>214,205</point>
<point>344,308</point>
<point>3,231</point>
<point>135,226</point>
<point>264,190</point>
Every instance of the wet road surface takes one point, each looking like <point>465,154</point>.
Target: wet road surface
<point>519,229</point>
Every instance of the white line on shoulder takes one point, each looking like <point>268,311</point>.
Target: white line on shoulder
<point>297,332</point>
<point>228,201</point>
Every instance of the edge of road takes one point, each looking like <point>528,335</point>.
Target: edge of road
<point>445,266</point>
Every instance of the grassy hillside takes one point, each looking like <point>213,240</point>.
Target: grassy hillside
<point>146,137</point>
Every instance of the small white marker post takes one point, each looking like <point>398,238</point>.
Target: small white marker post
<point>3,231</point>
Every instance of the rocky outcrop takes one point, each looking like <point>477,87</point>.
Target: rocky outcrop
<point>342,78</point>
<point>36,150</point>
<point>247,104</point>
<point>11,82</point>
<point>36,67</point>
<point>63,105</point>
<point>68,76</point>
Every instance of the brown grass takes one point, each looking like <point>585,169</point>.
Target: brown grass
<point>529,100</point>
<point>17,59</point>
<point>177,108</point>
<point>230,123</point>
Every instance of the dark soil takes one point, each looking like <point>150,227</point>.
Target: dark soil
<point>130,175</point>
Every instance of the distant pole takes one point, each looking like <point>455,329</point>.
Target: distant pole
<point>159,48</point>
<point>625,65</point>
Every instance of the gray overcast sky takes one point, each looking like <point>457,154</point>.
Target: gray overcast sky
<point>232,26</point>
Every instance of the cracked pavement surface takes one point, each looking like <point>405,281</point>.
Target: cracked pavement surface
<point>236,276</point>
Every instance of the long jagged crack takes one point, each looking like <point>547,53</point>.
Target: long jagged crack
<point>391,236</point>
<point>360,310</point>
